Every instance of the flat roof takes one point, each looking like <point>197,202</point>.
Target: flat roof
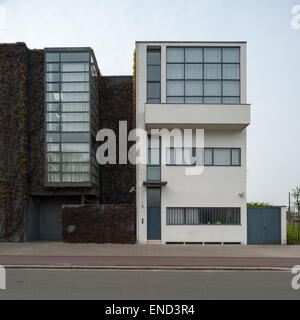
<point>191,42</point>
<point>74,49</point>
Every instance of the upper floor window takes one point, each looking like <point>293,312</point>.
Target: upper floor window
<point>153,76</point>
<point>203,75</point>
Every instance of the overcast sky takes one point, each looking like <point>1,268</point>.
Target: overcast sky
<point>111,28</point>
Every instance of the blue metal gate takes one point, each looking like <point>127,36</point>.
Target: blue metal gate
<point>264,225</point>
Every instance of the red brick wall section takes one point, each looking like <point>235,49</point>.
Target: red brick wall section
<point>99,224</point>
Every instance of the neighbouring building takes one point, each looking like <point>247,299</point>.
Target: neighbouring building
<point>52,104</point>
<point>193,85</point>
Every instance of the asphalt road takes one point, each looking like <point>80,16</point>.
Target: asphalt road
<point>142,285</point>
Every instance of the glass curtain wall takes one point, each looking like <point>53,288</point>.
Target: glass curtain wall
<point>71,85</point>
<point>203,75</point>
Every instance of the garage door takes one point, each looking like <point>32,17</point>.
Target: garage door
<point>264,226</point>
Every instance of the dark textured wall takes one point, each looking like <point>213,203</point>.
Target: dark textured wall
<point>99,224</point>
<point>14,139</point>
<point>116,99</point>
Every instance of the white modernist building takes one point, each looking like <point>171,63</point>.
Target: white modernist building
<point>193,85</point>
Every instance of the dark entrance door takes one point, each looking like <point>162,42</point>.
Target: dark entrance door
<point>264,225</point>
<point>154,213</point>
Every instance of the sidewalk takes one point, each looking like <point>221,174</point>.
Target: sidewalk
<point>59,255</point>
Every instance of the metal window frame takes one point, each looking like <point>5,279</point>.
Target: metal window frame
<point>150,165</point>
<point>157,82</point>
<point>218,213</point>
<point>92,87</point>
<point>203,63</point>
<point>205,165</point>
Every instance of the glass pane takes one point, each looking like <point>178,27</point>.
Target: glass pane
<point>193,71</point>
<point>231,71</point>
<point>171,156</point>
<point>76,177</point>
<point>236,157</point>
<point>53,177</point>
<point>175,55</point>
<point>212,71</point>
<point>53,107</point>
<point>153,57</point>
<point>231,100</point>
<point>81,77</point>
<point>53,126</point>
<point>53,117</point>
<point>175,100</point>
<point>153,73</point>
<point>67,67</point>
<point>231,88</point>
<point>153,101</point>
<point>193,55</point>
<point>212,55</point>
<point>154,142</point>
<point>76,127</point>
<point>213,100</point>
<point>199,153</point>
<point>75,137</point>
<point>75,56</point>
<point>212,88</point>
<point>194,88</point>
<point>178,156</point>
<point>75,107</point>
<point>222,157</point>
<point>194,100</point>
<point>52,67</point>
<point>75,97</point>
<point>75,147</point>
<point>153,173</point>
<point>76,167</point>
<point>75,157</point>
<point>175,88</point>
<point>52,77</point>
<point>53,97</point>
<point>188,158</point>
<point>52,57</point>
<point>153,198</point>
<point>75,87</point>
<point>53,137</point>
<point>53,87</point>
<point>154,157</point>
<point>53,147</point>
<point>53,167</point>
<point>175,71</point>
<point>154,90</point>
<point>53,157</point>
<point>231,55</point>
<point>208,157</point>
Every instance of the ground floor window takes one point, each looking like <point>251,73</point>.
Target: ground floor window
<point>203,216</point>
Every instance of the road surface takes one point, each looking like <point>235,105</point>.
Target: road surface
<point>141,285</point>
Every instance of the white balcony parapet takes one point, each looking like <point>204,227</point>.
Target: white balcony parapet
<point>207,116</point>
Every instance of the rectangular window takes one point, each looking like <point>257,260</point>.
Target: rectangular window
<point>203,75</point>
<point>203,216</point>
<point>153,76</point>
<point>229,157</point>
<point>154,160</point>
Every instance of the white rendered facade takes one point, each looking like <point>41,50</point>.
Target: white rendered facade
<point>224,124</point>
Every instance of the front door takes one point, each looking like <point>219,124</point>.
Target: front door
<point>154,213</point>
